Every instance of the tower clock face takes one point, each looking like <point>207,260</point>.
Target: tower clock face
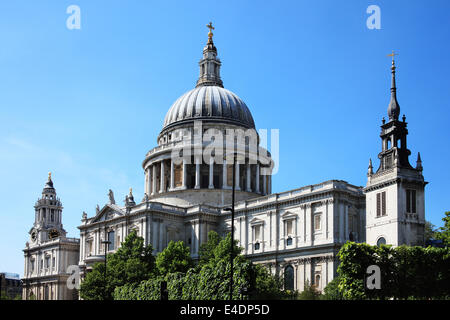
<point>53,233</point>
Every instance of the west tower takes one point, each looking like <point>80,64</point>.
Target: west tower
<point>395,193</point>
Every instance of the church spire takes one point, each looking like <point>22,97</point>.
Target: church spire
<point>370,168</point>
<point>419,162</point>
<point>210,64</point>
<point>394,107</point>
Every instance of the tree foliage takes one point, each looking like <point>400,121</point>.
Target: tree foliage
<point>176,257</point>
<point>331,291</point>
<point>206,251</point>
<point>132,263</point>
<point>309,293</point>
<point>210,280</point>
<point>444,232</point>
<point>406,272</point>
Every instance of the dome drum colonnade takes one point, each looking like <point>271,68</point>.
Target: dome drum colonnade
<point>219,112</point>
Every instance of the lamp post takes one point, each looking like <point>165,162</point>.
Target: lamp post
<point>232,224</point>
<point>105,242</point>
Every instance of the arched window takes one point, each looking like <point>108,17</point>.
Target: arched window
<point>381,241</point>
<point>317,281</point>
<point>289,278</point>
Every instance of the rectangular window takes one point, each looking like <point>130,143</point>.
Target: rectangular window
<point>317,222</point>
<point>289,227</point>
<point>111,240</point>
<point>411,201</point>
<point>257,233</point>
<point>378,204</point>
<point>90,247</point>
<point>381,204</point>
<point>178,175</point>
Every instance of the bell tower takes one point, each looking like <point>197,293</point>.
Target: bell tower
<point>395,193</point>
<point>48,215</point>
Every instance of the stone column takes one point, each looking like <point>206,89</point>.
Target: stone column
<point>211,173</point>
<point>346,221</point>
<point>296,276</point>
<point>257,178</point>
<point>238,187</point>
<point>162,185</point>
<point>249,185</point>
<point>161,234</point>
<point>197,173</point>
<point>171,175</point>
<point>183,186</point>
<point>154,180</point>
<point>149,180</point>
<point>146,181</point>
<point>264,184</point>
<point>224,174</point>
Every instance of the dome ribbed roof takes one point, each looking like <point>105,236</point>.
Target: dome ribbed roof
<point>209,103</point>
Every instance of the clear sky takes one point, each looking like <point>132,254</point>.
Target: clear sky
<point>88,104</point>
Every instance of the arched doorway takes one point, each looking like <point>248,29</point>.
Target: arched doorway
<point>289,278</point>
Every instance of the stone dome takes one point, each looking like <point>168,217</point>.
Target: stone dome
<point>209,103</point>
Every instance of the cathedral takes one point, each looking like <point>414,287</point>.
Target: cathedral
<point>207,144</point>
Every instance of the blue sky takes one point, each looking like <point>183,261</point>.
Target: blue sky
<point>88,104</point>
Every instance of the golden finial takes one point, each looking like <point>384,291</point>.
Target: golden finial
<point>49,176</point>
<point>210,27</point>
<point>131,191</point>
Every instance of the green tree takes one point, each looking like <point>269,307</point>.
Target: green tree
<point>430,231</point>
<point>267,286</point>
<point>309,293</point>
<point>206,251</point>
<point>405,272</point>
<point>132,263</point>
<point>331,291</point>
<point>444,232</point>
<point>354,260</point>
<point>176,257</point>
<point>209,281</point>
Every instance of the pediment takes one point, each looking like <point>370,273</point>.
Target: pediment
<point>256,221</point>
<point>108,212</point>
<point>289,215</point>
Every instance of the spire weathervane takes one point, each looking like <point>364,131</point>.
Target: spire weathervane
<point>392,55</point>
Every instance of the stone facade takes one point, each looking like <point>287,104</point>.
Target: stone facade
<point>295,233</point>
<point>49,252</point>
<point>395,193</point>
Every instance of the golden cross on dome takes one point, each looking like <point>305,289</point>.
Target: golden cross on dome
<point>49,176</point>
<point>210,27</point>
<point>392,55</point>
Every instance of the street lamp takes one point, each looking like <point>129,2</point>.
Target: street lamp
<point>232,224</point>
<point>105,242</point>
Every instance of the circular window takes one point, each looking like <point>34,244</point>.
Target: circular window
<point>381,241</point>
